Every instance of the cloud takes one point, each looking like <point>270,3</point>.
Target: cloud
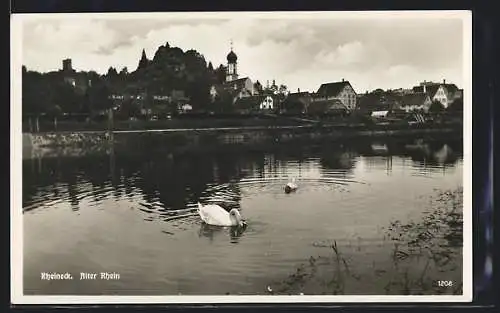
<point>349,54</point>
<point>301,53</point>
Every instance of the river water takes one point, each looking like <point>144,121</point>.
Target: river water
<point>132,212</point>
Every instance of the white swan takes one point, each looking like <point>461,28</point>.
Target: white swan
<point>291,186</point>
<point>213,214</point>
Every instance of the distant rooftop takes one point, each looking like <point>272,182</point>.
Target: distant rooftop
<point>332,89</point>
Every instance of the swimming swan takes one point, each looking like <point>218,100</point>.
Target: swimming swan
<point>291,186</point>
<point>213,214</point>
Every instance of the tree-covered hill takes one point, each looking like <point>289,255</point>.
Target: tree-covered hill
<point>170,71</point>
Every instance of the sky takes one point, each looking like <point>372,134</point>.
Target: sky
<point>298,51</point>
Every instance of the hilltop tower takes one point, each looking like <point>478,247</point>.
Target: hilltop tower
<point>232,72</point>
<point>67,66</point>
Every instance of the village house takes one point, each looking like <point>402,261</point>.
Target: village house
<point>149,104</point>
<point>297,102</point>
<point>418,101</point>
<point>267,103</point>
<point>341,91</point>
<point>380,100</point>
<point>370,102</point>
<point>257,103</point>
<point>332,106</point>
<point>400,91</point>
<point>441,92</point>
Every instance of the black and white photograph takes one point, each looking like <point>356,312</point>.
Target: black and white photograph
<point>213,157</point>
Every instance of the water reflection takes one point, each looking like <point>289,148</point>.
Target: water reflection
<point>146,201</point>
<point>169,182</point>
<point>210,232</point>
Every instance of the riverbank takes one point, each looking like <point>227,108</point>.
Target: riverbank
<point>44,124</point>
<point>422,251</point>
<point>93,140</point>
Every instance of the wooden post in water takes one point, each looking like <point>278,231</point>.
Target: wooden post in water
<point>55,122</point>
<point>30,125</point>
<point>37,124</point>
<point>39,158</point>
<point>112,164</point>
<point>110,125</point>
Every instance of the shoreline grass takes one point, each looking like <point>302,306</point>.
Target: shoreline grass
<point>423,253</point>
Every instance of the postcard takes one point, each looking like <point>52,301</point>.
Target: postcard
<point>241,157</point>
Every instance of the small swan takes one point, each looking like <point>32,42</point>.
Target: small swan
<point>291,186</point>
<point>213,214</point>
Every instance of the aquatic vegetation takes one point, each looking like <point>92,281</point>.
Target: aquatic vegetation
<point>424,253</point>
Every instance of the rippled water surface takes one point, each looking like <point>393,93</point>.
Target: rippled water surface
<point>133,212</point>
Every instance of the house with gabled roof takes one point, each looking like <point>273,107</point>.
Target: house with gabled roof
<point>254,103</point>
<point>341,91</point>
<point>441,92</point>
<point>416,102</point>
<point>238,88</point>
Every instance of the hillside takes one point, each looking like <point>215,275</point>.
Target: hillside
<point>171,70</point>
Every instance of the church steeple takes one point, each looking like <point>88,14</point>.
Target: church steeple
<point>232,72</point>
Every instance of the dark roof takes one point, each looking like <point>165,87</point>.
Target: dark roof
<point>379,102</point>
<point>368,101</point>
<point>414,99</point>
<point>452,89</point>
<point>248,103</point>
<point>431,90</point>
<point>231,57</point>
<point>240,82</point>
<point>387,98</point>
<point>326,106</point>
<point>332,89</point>
<point>267,92</point>
<point>297,96</point>
<point>418,89</point>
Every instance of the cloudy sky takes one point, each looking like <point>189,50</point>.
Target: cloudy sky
<point>298,51</point>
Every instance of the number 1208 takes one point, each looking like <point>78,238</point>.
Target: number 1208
<point>444,283</point>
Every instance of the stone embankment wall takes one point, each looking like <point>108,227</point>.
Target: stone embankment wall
<point>95,140</point>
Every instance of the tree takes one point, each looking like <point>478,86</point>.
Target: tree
<point>293,106</point>
<point>282,89</point>
<point>143,62</point>
<point>128,109</point>
<point>436,107</point>
<point>220,74</point>
<point>282,93</point>
<point>456,106</point>
<point>170,69</point>
<point>257,86</point>
<point>124,72</point>
<point>223,102</point>
<point>274,88</point>
<point>65,98</point>
<point>99,97</point>
<point>36,93</point>
<point>112,73</point>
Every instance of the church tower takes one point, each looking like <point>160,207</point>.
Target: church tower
<point>232,72</point>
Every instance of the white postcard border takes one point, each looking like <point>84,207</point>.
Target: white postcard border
<point>17,296</point>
